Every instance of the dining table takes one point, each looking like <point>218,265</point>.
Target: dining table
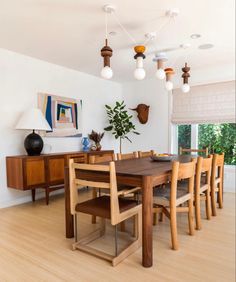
<point>141,172</point>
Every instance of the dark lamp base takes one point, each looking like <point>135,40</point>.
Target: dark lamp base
<point>33,144</point>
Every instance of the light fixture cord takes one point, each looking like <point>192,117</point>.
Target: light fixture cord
<point>106,27</point>
<point>123,28</point>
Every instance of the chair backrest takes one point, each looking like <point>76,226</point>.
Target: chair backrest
<point>204,165</point>
<point>145,154</point>
<point>128,156</point>
<point>95,159</point>
<point>217,167</point>
<point>181,171</point>
<point>185,150</point>
<point>111,184</point>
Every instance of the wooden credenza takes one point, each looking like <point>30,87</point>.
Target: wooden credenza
<point>44,171</point>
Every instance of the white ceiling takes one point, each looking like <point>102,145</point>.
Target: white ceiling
<point>71,32</point>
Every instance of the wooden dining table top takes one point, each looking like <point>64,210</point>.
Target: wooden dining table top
<point>147,166</point>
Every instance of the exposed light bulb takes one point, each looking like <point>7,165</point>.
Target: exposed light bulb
<point>185,88</point>
<point>106,72</point>
<point>160,74</point>
<point>139,73</point>
<point>169,85</point>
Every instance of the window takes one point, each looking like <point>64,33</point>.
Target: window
<point>217,137</point>
<point>184,136</point>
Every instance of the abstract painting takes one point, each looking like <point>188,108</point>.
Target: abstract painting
<point>64,115</point>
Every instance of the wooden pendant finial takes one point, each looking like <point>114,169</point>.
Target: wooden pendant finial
<point>185,74</point>
<point>106,53</point>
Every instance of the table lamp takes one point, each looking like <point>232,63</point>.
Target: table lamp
<point>33,119</point>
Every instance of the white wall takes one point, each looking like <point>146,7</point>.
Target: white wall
<point>21,78</point>
<point>154,134</point>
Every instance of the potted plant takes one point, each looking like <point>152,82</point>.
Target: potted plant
<point>96,138</point>
<point>120,123</point>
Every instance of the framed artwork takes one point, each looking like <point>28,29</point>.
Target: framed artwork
<point>64,115</point>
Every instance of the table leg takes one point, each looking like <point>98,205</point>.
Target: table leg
<point>147,220</point>
<point>69,220</point>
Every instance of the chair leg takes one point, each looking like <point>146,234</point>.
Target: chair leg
<point>173,228</point>
<point>103,226</point>
<point>161,217</point>
<point>122,226</point>
<point>190,217</point>
<point>155,218</point>
<point>220,196</point>
<point>76,231</point>
<point>198,212</point>
<point>94,196</point>
<point>213,202</point>
<point>116,241</point>
<point>208,204</point>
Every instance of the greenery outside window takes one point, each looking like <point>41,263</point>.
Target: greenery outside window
<point>217,137</point>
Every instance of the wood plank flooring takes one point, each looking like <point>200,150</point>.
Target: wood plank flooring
<point>33,248</point>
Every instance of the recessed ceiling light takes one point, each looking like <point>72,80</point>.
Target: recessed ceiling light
<point>195,35</point>
<point>205,46</point>
<point>112,33</point>
<point>172,13</point>
<point>185,45</point>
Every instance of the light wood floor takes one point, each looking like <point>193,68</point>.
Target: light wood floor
<point>33,248</point>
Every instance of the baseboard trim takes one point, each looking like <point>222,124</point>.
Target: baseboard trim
<point>27,199</point>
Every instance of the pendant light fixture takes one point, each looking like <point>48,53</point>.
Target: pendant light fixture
<point>169,84</point>
<point>160,58</point>
<point>106,53</point>
<point>139,72</point>
<point>140,48</point>
<point>185,87</point>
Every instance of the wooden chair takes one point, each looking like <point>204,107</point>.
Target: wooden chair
<point>146,154</point>
<point>217,178</point>
<point>110,207</point>
<point>171,197</point>
<point>94,159</point>
<point>202,188</point>
<point>128,156</point>
<point>184,150</point>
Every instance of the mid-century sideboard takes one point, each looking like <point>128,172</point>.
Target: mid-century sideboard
<point>44,171</point>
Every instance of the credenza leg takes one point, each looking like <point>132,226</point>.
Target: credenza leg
<point>33,195</point>
<point>47,191</point>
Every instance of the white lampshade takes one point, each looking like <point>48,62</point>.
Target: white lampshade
<point>33,119</point>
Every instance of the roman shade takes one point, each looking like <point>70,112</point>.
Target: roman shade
<point>211,103</point>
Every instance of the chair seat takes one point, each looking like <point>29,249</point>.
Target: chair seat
<point>100,206</point>
<point>162,194</point>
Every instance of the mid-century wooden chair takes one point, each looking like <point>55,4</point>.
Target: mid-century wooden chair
<point>110,207</point>
<point>217,178</point>
<point>171,197</point>
<point>185,150</point>
<point>127,156</point>
<point>146,154</point>
<point>202,188</point>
